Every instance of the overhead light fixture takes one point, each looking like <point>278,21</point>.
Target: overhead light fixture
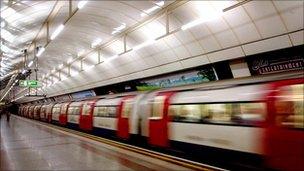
<point>96,43</point>
<point>57,31</point>
<point>119,28</point>
<point>3,24</point>
<point>40,51</point>
<point>89,67</point>
<point>81,4</point>
<point>31,63</point>
<point>160,3</point>
<point>70,60</point>
<point>147,43</point>
<point>24,71</point>
<point>211,16</point>
<point>61,66</point>
<point>157,6</point>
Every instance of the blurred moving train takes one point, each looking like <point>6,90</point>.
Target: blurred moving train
<point>232,123</point>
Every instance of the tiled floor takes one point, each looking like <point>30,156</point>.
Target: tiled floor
<point>29,146</point>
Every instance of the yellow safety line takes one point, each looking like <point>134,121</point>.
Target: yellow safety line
<point>160,156</point>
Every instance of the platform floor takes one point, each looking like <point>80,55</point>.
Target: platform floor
<point>26,145</point>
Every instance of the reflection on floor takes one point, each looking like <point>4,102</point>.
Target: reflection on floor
<point>29,146</point>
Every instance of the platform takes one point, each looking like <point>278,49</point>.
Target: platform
<point>26,145</point>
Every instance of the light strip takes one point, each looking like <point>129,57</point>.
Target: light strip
<point>200,21</point>
<point>96,43</point>
<point>81,4</point>
<point>30,64</point>
<point>40,51</point>
<point>57,31</point>
<point>147,43</point>
<point>3,24</point>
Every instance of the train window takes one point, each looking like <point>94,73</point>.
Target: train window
<point>100,111</point>
<point>112,111</point>
<point>74,110</point>
<point>86,109</point>
<point>105,111</point>
<point>64,108</point>
<point>218,112</point>
<point>127,108</point>
<point>187,113</point>
<point>249,113</point>
<point>289,106</point>
<point>56,110</point>
<point>158,107</point>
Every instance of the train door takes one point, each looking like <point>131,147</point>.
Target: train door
<point>49,112</point>
<point>285,132</point>
<point>124,111</point>
<point>86,116</point>
<point>158,121</point>
<point>63,119</point>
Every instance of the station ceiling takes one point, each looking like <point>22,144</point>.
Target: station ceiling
<point>105,42</point>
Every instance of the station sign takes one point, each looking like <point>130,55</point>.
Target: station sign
<point>283,60</point>
<point>29,83</point>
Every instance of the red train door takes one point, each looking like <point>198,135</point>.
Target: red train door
<point>158,121</point>
<point>86,116</point>
<point>124,111</point>
<point>49,112</point>
<point>63,117</point>
<point>285,130</point>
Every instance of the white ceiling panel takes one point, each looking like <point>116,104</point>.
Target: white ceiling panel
<point>226,54</point>
<point>237,17</point>
<point>293,18</point>
<point>267,45</point>
<point>227,39</point>
<point>195,48</point>
<point>195,61</point>
<point>242,33</point>
<point>297,38</point>
<point>270,26</point>
<point>210,44</point>
<point>260,9</point>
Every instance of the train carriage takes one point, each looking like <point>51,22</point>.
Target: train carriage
<point>43,116</point>
<point>49,108</point>
<point>105,116</point>
<point>56,113</point>
<point>233,124</point>
<point>63,114</point>
<point>86,115</point>
<point>73,114</point>
<point>37,112</point>
<point>31,111</point>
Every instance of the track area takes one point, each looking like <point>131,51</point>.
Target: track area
<point>32,145</point>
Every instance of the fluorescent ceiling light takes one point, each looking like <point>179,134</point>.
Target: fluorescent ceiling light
<point>41,50</point>
<point>157,6</point>
<point>3,24</point>
<point>151,9</point>
<point>30,64</point>
<point>70,60</point>
<point>61,66</point>
<point>6,35</point>
<point>89,67</point>
<point>147,43</point>
<point>81,4</point>
<point>207,16</point>
<point>8,12</point>
<point>160,3</point>
<point>96,43</point>
<point>119,28</point>
<point>57,31</point>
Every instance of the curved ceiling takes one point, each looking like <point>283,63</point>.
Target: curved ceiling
<point>70,63</point>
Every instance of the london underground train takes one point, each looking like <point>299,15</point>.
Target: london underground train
<point>250,123</point>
